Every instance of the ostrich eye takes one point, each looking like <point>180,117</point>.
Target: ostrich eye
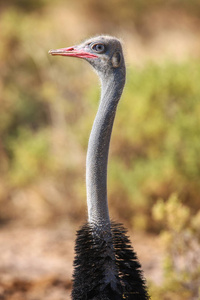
<point>100,48</point>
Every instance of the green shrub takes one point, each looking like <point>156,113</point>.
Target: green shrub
<point>181,240</point>
<point>155,143</point>
<point>30,157</point>
<point>155,146</point>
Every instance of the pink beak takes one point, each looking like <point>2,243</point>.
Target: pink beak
<point>72,51</point>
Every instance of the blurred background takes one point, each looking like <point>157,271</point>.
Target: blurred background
<point>47,107</point>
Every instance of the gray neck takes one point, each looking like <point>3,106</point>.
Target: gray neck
<point>98,148</point>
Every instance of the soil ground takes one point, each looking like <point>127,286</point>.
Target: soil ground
<point>37,263</point>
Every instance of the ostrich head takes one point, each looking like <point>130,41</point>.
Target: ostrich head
<point>104,53</point>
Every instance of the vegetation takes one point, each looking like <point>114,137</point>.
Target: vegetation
<point>181,239</point>
<point>156,136</point>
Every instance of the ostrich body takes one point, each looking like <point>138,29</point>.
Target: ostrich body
<point>106,267</point>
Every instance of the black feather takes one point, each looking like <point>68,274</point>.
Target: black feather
<point>93,258</point>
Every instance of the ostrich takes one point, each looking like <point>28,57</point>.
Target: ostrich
<point>105,265</point>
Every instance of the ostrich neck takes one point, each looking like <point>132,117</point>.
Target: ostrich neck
<point>98,148</point>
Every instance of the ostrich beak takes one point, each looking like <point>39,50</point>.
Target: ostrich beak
<point>72,51</point>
